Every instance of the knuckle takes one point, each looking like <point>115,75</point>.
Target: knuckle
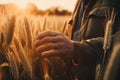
<point>49,39</point>
<point>59,33</point>
<point>49,32</point>
<point>60,37</point>
<point>47,47</point>
<point>56,47</point>
<point>45,39</point>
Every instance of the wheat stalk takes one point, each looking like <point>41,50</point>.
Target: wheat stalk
<point>44,24</point>
<point>13,66</point>
<point>21,33</point>
<point>25,62</point>
<point>107,38</point>
<point>45,65</point>
<point>64,27</point>
<point>10,30</point>
<point>28,31</point>
<point>1,40</point>
<point>113,64</point>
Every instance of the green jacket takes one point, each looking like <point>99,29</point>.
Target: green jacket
<point>89,48</point>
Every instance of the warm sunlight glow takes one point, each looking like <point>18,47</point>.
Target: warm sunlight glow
<point>44,4</point>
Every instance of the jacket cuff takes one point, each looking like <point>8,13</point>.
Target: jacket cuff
<point>87,52</point>
<point>78,51</point>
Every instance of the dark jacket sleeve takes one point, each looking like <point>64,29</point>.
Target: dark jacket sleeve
<point>88,51</point>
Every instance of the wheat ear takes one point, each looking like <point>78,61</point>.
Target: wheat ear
<point>10,30</point>
<point>24,60</point>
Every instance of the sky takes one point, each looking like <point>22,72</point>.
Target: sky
<point>44,4</point>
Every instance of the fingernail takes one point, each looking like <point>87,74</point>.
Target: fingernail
<point>43,54</point>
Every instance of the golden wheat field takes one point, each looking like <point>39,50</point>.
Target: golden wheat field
<point>17,35</point>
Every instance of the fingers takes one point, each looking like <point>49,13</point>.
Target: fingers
<point>49,47</point>
<point>47,33</point>
<point>48,39</point>
<point>52,53</point>
<point>53,43</point>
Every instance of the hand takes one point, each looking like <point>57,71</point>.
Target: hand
<point>51,43</point>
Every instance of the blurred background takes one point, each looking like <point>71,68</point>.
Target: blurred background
<point>40,6</point>
<point>20,22</point>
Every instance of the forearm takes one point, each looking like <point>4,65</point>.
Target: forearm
<point>88,52</point>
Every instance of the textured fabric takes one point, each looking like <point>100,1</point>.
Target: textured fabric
<point>88,50</point>
<point>87,55</point>
<point>113,58</point>
<point>93,26</point>
<point>76,31</point>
